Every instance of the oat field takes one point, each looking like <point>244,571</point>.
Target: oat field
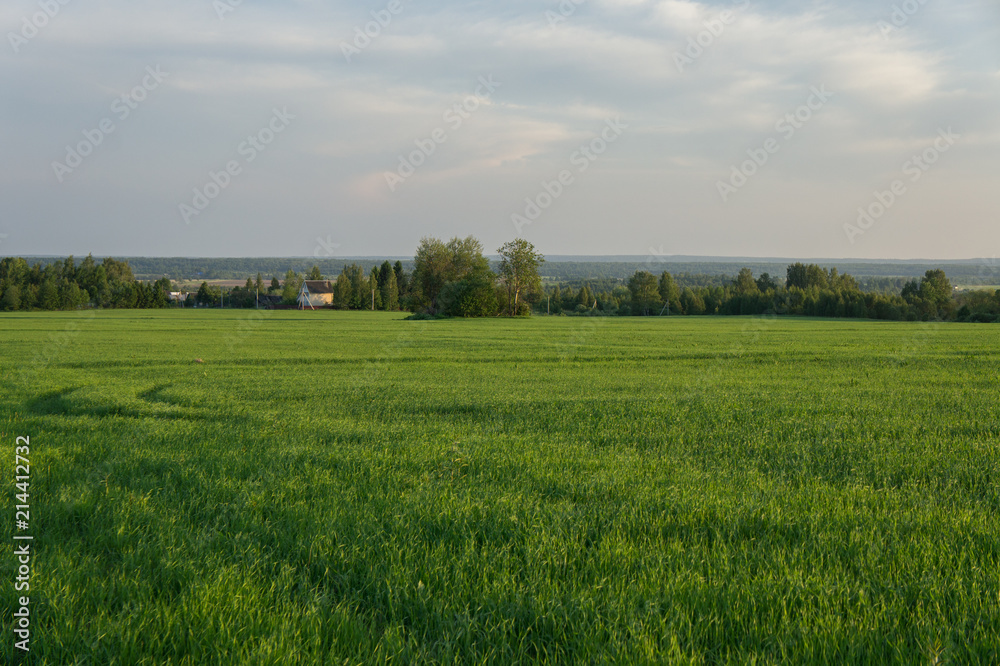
<point>223,487</point>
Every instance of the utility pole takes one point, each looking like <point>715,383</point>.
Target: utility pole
<point>373,300</point>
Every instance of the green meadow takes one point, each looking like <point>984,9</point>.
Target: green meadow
<point>223,487</point>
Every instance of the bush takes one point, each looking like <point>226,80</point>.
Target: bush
<point>472,296</point>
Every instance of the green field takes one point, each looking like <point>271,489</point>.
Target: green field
<point>331,487</point>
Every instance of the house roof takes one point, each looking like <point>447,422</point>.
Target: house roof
<point>318,286</point>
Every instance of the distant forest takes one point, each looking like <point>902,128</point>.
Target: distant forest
<point>558,288</point>
<point>692,271</point>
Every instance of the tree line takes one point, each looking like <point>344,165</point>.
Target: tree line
<point>450,278</point>
<point>807,290</point>
<point>64,285</point>
<point>454,278</point>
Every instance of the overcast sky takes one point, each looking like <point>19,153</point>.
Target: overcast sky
<point>650,111</point>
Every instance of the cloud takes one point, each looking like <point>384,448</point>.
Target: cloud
<point>608,58</point>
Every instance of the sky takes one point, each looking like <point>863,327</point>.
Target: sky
<point>630,127</point>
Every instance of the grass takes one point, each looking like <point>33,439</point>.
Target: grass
<point>353,488</point>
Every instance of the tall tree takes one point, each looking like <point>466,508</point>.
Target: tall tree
<point>342,291</point>
<point>519,270</point>
<point>314,274</point>
<point>796,276</point>
<point>438,263</point>
<point>936,290</point>
<point>817,277</point>
<point>360,294</point>
<point>401,281</point>
<point>290,289</point>
<point>48,295</point>
<point>204,295</point>
<point>389,289</point>
<point>765,282</point>
<point>645,292</point>
<point>670,293</point>
<point>744,283</point>
<point>11,298</point>
<point>376,293</point>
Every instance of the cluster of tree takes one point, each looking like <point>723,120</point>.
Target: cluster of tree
<point>455,279</point>
<point>806,290</point>
<point>384,287</point>
<point>452,279</point>
<point>978,306</point>
<point>63,285</point>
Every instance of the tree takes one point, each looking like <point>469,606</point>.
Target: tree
<point>519,270</point>
<point>555,300</point>
<point>275,286</point>
<point>71,296</point>
<point>693,303</point>
<point>11,298</point>
<point>431,267</point>
<point>817,277</point>
<point>360,295</point>
<point>936,290</point>
<point>438,263</point>
<point>766,283</point>
<point>795,276</point>
<point>342,291</point>
<point>744,283</point>
<point>290,289</point>
<point>204,295</point>
<point>472,296</point>
<point>48,295</point>
<point>669,291</point>
<point>376,294</point>
<point>259,284</point>
<point>389,289</point>
<point>401,281</point>
<point>314,274</point>
<point>645,292</point>
<point>249,286</point>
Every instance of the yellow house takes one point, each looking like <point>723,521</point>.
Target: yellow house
<point>315,294</point>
